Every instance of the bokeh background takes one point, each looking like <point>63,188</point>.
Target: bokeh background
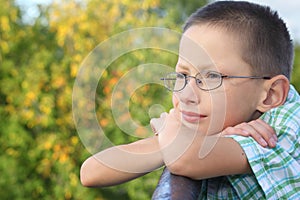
<point>41,152</point>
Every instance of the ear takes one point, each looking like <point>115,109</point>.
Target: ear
<point>274,93</point>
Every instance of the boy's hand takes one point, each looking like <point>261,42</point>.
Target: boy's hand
<point>174,138</point>
<point>259,130</point>
<point>167,124</point>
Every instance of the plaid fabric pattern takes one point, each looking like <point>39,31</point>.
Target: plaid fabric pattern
<point>276,171</point>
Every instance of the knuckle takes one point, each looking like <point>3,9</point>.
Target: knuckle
<point>162,114</point>
<point>230,129</point>
<point>253,122</point>
<point>154,122</point>
<point>243,124</point>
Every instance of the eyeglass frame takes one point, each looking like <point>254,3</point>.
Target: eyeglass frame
<point>222,76</point>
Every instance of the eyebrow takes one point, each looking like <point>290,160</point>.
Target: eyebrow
<point>199,68</point>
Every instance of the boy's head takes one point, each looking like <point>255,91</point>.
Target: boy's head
<point>265,42</point>
<point>230,38</point>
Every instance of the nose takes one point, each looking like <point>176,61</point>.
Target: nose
<point>190,94</point>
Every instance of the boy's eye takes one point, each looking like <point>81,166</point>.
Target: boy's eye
<point>212,75</point>
<point>181,75</point>
<point>199,81</point>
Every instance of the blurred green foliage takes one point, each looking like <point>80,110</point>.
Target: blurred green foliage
<point>41,152</point>
<point>296,70</point>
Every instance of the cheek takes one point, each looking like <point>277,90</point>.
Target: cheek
<point>175,100</point>
<point>218,110</point>
<point>237,111</point>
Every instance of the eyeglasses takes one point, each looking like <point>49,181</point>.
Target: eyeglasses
<point>208,80</point>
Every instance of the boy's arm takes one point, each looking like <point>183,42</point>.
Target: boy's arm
<point>122,163</point>
<point>204,157</point>
<point>258,129</point>
<point>198,156</point>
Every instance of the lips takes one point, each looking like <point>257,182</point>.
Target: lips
<point>192,117</point>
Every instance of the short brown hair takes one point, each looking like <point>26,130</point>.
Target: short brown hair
<point>265,39</point>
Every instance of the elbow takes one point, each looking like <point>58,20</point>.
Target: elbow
<point>85,177</point>
<point>186,166</point>
<point>177,169</point>
<point>87,174</point>
<point>181,168</point>
<point>85,181</point>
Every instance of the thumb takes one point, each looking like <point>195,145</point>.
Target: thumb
<point>157,124</point>
<point>175,114</point>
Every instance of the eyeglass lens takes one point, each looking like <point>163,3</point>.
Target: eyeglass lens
<point>177,81</point>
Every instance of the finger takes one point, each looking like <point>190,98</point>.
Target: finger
<point>268,128</point>
<point>254,131</point>
<point>235,131</point>
<point>265,131</point>
<point>175,114</point>
<point>173,111</point>
<point>157,124</point>
<point>164,114</point>
<point>153,125</point>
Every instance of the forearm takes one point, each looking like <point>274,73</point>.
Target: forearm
<point>203,157</point>
<point>94,173</point>
<point>121,163</point>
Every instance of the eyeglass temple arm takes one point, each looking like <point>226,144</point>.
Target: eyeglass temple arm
<point>252,77</point>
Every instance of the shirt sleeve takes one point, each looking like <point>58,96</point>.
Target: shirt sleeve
<point>276,170</point>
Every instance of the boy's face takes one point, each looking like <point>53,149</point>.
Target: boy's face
<point>205,48</point>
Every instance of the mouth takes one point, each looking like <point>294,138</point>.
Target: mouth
<point>192,117</point>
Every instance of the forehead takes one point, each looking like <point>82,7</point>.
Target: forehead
<point>204,46</point>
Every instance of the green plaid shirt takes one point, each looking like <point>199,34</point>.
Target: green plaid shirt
<point>276,171</point>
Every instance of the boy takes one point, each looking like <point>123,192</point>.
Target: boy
<point>275,172</point>
<point>234,86</point>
